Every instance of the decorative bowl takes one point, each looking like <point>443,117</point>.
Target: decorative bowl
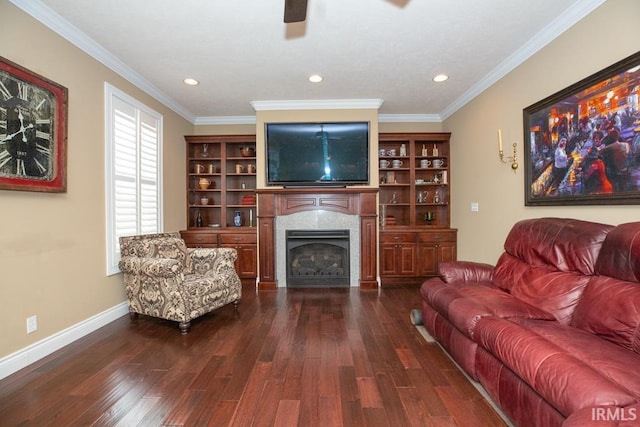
<point>247,152</point>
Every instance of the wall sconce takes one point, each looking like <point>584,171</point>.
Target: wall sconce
<point>513,159</point>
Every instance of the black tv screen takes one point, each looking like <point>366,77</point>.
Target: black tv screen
<point>308,154</point>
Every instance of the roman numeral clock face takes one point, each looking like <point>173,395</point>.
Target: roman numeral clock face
<point>27,113</point>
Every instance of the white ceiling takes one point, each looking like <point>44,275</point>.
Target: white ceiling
<point>241,51</point>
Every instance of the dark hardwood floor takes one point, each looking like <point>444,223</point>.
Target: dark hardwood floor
<point>303,357</point>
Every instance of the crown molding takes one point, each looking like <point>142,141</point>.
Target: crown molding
<point>318,104</point>
<point>382,118</point>
<point>62,27</point>
<point>225,120</point>
<point>550,32</point>
<point>409,118</point>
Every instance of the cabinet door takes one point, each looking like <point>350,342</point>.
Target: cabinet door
<point>246,264</point>
<point>435,247</point>
<point>398,259</point>
<point>448,252</point>
<point>388,260</point>
<point>428,260</point>
<point>245,244</point>
<point>407,259</point>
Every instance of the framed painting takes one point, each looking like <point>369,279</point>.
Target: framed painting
<point>582,144</point>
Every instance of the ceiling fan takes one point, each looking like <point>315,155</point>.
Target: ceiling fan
<point>295,11</point>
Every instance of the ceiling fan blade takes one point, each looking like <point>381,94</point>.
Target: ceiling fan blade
<point>295,10</point>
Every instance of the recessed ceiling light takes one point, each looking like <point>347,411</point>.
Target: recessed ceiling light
<point>191,82</point>
<point>315,78</point>
<point>440,78</point>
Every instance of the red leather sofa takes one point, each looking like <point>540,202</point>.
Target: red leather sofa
<point>552,331</point>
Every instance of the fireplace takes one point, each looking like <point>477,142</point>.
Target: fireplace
<point>285,209</point>
<point>318,258</point>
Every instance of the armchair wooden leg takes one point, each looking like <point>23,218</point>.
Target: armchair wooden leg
<point>184,327</point>
<point>133,315</point>
<point>235,304</point>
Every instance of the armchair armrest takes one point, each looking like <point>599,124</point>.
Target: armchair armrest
<point>465,271</point>
<point>212,261</point>
<point>154,267</point>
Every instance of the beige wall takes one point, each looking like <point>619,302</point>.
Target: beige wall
<point>606,36</point>
<point>410,127</point>
<point>52,246</point>
<point>241,129</point>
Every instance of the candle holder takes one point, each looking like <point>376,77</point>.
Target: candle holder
<point>513,159</point>
<point>429,217</point>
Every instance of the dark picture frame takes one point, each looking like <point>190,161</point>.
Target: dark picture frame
<point>582,144</point>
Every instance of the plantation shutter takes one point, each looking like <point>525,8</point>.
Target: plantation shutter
<point>133,157</point>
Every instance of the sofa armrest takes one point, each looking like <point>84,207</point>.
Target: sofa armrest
<point>465,271</point>
<point>153,267</point>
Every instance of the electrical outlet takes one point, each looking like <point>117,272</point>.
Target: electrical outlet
<point>32,324</point>
<point>474,207</point>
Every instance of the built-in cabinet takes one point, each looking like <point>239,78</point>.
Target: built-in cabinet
<point>221,197</point>
<point>414,209</point>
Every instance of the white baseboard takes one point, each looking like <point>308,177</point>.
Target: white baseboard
<point>36,351</point>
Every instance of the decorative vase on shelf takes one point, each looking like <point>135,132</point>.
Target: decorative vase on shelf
<point>205,152</point>
<point>204,183</point>
<point>237,219</point>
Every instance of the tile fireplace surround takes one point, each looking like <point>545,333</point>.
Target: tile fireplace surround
<point>326,208</point>
<point>318,220</point>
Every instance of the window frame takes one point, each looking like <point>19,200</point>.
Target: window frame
<point>112,238</point>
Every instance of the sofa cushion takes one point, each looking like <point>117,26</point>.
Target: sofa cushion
<point>508,271</point>
<point>463,304</point>
<point>605,416</point>
<point>558,243</point>
<point>610,309</point>
<point>555,292</point>
<point>569,367</point>
<point>610,306</point>
<point>620,254</point>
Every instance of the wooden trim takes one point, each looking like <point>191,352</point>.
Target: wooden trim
<point>351,201</point>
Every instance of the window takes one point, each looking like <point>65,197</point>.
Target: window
<point>133,144</point>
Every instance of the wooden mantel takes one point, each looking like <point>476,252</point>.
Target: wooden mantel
<point>285,201</point>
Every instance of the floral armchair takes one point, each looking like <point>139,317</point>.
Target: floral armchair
<point>165,279</point>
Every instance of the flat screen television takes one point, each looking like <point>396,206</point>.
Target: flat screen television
<point>317,154</point>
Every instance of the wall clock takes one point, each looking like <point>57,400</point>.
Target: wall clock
<point>33,131</point>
